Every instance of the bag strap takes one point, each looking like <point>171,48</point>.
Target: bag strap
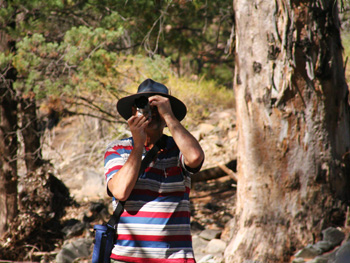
<point>160,144</point>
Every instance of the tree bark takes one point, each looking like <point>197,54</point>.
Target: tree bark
<point>293,124</point>
<point>8,142</point>
<point>31,133</point>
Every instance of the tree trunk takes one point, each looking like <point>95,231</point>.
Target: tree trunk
<point>8,142</point>
<point>293,123</point>
<point>31,134</point>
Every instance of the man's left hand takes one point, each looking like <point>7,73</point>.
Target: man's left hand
<point>163,105</point>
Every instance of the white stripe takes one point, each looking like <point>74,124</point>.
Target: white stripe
<point>153,185</point>
<point>114,162</point>
<point>153,230</point>
<point>166,163</point>
<point>126,142</point>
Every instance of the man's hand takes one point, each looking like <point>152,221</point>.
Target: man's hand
<point>137,125</point>
<point>163,105</point>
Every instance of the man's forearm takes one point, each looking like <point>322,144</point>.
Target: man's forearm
<point>125,179</point>
<point>187,144</point>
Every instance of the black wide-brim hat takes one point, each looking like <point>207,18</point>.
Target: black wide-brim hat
<point>149,88</point>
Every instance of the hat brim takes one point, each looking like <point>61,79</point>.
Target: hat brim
<point>124,105</point>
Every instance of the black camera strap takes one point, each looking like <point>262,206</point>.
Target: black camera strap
<point>160,144</point>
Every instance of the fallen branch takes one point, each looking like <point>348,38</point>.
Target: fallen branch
<point>228,171</point>
<point>216,172</point>
<point>43,253</point>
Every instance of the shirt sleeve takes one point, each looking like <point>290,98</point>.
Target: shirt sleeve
<point>114,159</point>
<point>187,168</point>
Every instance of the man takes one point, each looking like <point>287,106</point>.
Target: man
<point>155,225</point>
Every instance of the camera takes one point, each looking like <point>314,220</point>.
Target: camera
<point>143,107</point>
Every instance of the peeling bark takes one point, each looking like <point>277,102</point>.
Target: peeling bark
<point>294,127</point>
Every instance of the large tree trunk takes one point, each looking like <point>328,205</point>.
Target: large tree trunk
<point>8,141</point>
<point>293,122</point>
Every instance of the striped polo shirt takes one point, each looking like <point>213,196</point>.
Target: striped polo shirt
<point>155,225</point>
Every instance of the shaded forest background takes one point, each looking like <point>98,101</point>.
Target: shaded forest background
<point>63,59</point>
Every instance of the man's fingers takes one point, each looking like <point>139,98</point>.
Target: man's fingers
<point>137,121</point>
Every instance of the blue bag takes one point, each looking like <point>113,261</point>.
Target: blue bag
<point>105,237</point>
<point>104,242</point>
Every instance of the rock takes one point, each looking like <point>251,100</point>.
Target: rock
<point>92,186</point>
<point>333,236</point>
<point>319,259</point>
<point>73,228</point>
<point>199,245</point>
<point>198,242</point>
<point>227,232</point>
<point>207,259</point>
<point>202,130</point>
<point>323,246</point>
<point>209,234</point>
<point>343,254</point>
<point>211,259</point>
<point>298,260</point>
<point>308,252</point>
<point>216,246</point>
<point>196,227</point>
<point>80,248</point>
<point>97,210</point>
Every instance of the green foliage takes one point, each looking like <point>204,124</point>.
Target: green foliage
<point>5,60</point>
<point>157,67</point>
<point>80,60</point>
<point>69,48</point>
<point>193,34</point>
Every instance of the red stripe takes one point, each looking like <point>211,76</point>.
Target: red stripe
<point>117,167</point>
<point>155,238</point>
<point>171,171</point>
<point>153,260</point>
<point>108,153</point>
<point>156,214</point>
<point>118,147</point>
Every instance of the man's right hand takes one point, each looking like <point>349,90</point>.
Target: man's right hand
<point>124,180</point>
<point>137,125</point>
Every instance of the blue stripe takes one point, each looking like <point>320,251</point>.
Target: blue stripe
<point>111,157</point>
<point>155,221</point>
<point>112,172</point>
<point>154,244</point>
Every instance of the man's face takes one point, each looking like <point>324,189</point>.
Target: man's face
<point>156,121</point>
<point>150,112</point>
